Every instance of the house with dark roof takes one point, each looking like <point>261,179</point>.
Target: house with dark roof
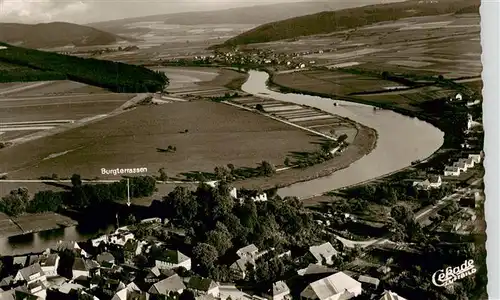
<point>106,257</point>
<point>80,268</point>
<point>31,274</point>
<point>164,287</point>
<point>172,259</point>
<point>240,266</point>
<point>203,286</point>
<point>153,275</point>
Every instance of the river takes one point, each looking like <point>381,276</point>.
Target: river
<point>401,140</point>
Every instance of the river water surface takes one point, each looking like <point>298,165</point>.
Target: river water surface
<point>401,140</point>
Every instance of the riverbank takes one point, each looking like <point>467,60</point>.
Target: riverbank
<point>32,223</point>
<point>364,142</point>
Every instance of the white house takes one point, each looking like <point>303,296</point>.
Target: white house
<point>280,291</point>
<point>473,103</point>
<point>458,97</point>
<point>433,182</point>
<point>80,268</point>
<point>248,252</point>
<point>461,166</point>
<point>338,286</point>
<point>49,264</point>
<point>259,197</point>
<point>323,252</point>
<point>451,171</point>
<point>120,237</point>
<point>475,157</point>
<point>125,294</point>
<point>388,295</point>
<point>172,259</point>
<point>470,122</point>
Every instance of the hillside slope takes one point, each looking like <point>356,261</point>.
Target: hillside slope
<point>327,22</point>
<point>23,64</point>
<point>57,34</point>
<point>257,14</point>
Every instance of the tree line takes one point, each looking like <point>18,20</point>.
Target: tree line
<point>79,196</point>
<point>114,76</point>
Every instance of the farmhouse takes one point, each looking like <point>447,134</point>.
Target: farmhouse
<point>476,157</point>
<point>334,287</point>
<point>31,274</point>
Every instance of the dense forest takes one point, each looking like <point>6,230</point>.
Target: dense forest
<point>114,76</point>
<point>331,21</point>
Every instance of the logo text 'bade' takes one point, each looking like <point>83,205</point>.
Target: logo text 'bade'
<point>449,275</point>
<point>118,171</point>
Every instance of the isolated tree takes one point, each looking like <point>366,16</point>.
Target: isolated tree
<point>76,180</point>
<point>287,161</point>
<point>259,107</point>
<point>221,173</point>
<point>266,169</point>
<point>231,168</point>
<point>163,175</point>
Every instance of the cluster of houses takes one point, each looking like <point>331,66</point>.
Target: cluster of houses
<point>108,269</point>
<point>462,165</point>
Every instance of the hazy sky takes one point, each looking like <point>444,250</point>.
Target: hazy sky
<point>85,11</point>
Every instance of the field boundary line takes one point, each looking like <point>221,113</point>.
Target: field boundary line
<point>280,120</point>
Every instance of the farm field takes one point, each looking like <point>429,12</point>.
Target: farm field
<point>59,88</point>
<point>217,135</point>
<point>446,45</point>
<point>24,115</point>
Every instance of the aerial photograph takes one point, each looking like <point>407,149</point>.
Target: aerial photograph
<point>232,150</point>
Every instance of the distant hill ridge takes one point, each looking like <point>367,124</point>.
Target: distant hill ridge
<point>257,14</point>
<point>56,34</point>
<point>331,21</point>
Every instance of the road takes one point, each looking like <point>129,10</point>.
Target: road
<point>419,216</point>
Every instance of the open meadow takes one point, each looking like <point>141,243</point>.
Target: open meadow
<point>205,135</point>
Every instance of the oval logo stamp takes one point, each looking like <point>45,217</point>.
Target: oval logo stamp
<point>449,275</point>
